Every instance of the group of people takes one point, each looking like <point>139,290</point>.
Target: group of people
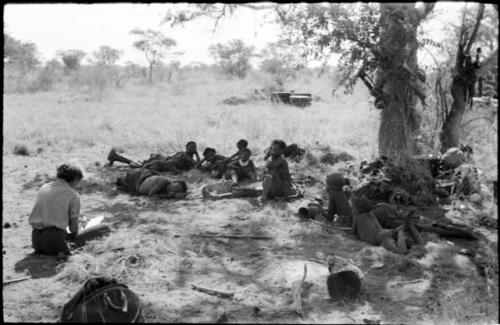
<point>144,178</point>
<point>56,213</point>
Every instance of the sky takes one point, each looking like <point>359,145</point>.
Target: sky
<point>53,27</point>
<point>77,26</point>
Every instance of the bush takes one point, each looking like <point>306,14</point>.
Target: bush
<point>21,150</point>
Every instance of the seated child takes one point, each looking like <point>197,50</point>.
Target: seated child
<point>241,144</point>
<point>213,163</point>
<point>277,181</point>
<point>57,207</point>
<point>145,182</point>
<point>241,169</point>
<point>337,200</point>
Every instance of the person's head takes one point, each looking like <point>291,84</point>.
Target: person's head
<point>303,213</point>
<point>209,154</point>
<point>360,205</point>
<point>70,173</point>
<point>245,154</point>
<point>242,144</point>
<point>277,148</point>
<point>191,147</point>
<point>177,187</point>
<point>335,181</point>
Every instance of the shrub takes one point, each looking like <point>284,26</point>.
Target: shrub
<point>21,150</point>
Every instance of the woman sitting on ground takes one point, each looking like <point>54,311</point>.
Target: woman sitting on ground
<point>57,207</point>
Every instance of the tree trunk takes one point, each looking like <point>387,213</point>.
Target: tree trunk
<point>450,132</point>
<point>398,67</point>
<point>150,73</point>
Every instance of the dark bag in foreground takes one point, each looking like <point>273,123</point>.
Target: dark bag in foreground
<point>103,300</point>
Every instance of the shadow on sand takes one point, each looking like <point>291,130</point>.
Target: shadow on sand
<point>39,266</point>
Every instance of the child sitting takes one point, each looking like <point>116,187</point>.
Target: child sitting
<point>241,145</point>
<point>277,181</point>
<point>337,200</point>
<point>213,163</point>
<point>243,168</point>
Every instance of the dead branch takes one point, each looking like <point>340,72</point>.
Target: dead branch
<point>407,282</point>
<point>479,18</point>
<point>230,236</point>
<point>478,118</point>
<point>213,292</point>
<point>297,300</point>
<point>328,226</point>
<point>26,277</point>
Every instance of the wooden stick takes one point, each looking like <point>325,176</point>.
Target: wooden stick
<point>297,300</point>
<point>17,280</point>
<point>167,248</point>
<point>213,292</point>
<point>407,282</point>
<point>328,226</point>
<point>230,236</point>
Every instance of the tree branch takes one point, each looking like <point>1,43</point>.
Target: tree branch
<point>479,18</point>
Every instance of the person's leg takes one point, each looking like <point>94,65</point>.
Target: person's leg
<point>414,233</point>
<point>234,176</point>
<point>267,183</point>
<point>114,156</point>
<point>51,241</point>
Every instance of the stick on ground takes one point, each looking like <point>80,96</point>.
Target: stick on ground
<point>213,292</point>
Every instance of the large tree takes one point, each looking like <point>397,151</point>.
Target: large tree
<point>154,45</point>
<point>467,68</point>
<point>233,57</point>
<point>71,59</point>
<point>377,43</point>
<point>22,54</point>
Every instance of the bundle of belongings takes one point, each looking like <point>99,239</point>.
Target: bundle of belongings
<point>103,300</point>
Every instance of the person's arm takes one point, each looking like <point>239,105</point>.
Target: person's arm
<point>197,156</point>
<point>234,156</point>
<point>199,163</point>
<point>74,215</point>
<point>331,207</point>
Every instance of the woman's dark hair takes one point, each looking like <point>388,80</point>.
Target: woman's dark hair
<point>303,212</point>
<point>242,143</point>
<point>208,150</point>
<point>190,143</point>
<point>281,144</point>
<point>69,173</point>
<point>183,184</point>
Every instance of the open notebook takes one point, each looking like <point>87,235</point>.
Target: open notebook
<point>92,222</point>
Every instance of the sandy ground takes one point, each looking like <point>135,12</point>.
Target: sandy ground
<point>422,288</point>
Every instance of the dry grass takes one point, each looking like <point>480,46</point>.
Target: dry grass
<point>143,252</point>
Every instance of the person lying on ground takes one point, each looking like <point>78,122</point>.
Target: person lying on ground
<point>213,163</point>
<point>277,181</point>
<point>57,207</point>
<point>148,183</point>
<point>366,227</point>
<point>313,210</point>
<point>181,161</point>
<point>241,145</point>
<point>241,169</point>
<point>338,203</point>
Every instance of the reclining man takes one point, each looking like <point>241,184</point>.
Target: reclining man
<point>148,183</point>
<point>181,161</point>
<point>368,228</point>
